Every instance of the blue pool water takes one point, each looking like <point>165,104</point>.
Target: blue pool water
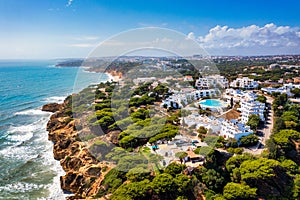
<point>211,103</point>
<point>27,167</point>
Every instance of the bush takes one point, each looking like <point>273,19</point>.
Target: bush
<point>235,150</point>
<point>253,122</point>
<point>181,154</point>
<point>202,130</point>
<point>249,140</point>
<point>235,191</point>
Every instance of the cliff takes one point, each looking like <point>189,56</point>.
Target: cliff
<point>84,173</point>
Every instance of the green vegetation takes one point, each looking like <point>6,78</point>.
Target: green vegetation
<point>237,191</point>
<point>235,150</point>
<point>202,132</point>
<point>249,140</point>
<point>286,136</point>
<point>253,122</point>
<point>138,174</point>
<point>181,155</point>
<point>232,69</point>
<point>296,92</point>
<point>262,99</point>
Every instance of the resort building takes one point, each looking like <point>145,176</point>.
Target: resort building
<point>286,88</point>
<point>238,95</point>
<point>210,123</point>
<point>212,81</point>
<point>234,129</point>
<point>251,107</point>
<point>188,78</point>
<point>180,143</point>
<point>186,95</point>
<point>245,83</point>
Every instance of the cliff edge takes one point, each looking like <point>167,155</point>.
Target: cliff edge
<point>83,172</point>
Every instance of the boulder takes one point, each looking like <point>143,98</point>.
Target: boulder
<point>51,107</point>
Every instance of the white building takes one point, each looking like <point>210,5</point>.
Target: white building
<point>138,81</point>
<point>186,95</point>
<point>251,107</point>
<point>234,129</point>
<point>188,78</point>
<point>210,123</point>
<point>286,88</point>
<point>212,81</point>
<point>245,83</point>
<point>238,95</point>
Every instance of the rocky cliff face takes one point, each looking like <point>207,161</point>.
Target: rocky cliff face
<point>51,107</point>
<point>83,172</point>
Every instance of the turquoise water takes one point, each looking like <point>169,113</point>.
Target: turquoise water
<point>211,103</point>
<point>27,167</point>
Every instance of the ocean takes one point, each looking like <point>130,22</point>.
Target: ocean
<point>27,167</point>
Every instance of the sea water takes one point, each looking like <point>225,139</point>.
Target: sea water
<point>27,167</point>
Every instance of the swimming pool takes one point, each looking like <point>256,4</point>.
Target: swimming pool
<point>211,103</point>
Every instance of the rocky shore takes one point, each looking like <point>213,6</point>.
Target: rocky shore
<point>84,173</point>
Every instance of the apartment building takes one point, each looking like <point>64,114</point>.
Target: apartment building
<point>245,83</point>
<point>234,129</point>
<point>251,107</point>
<point>212,81</point>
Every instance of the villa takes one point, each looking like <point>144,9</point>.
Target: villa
<point>286,88</point>
<point>248,103</point>
<point>186,95</point>
<point>234,129</point>
<point>238,95</point>
<point>252,107</point>
<point>188,78</point>
<point>212,81</point>
<point>210,123</point>
<point>245,83</point>
<point>179,143</point>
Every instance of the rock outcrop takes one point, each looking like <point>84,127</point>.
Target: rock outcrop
<point>83,172</point>
<point>51,107</point>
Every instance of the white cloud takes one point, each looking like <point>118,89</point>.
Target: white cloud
<point>190,36</point>
<point>87,38</point>
<point>268,39</point>
<point>69,3</point>
<point>83,45</point>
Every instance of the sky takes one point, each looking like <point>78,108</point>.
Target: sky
<point>49,29</point>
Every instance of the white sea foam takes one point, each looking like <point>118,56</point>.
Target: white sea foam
<point>54,188</point>
<point>56,99</point>
<point>25,132</point>
<point>32,112</point>
<point>35,133</point>
<point>21,187</point>
<point>21,134</point>
<point>18,153</point>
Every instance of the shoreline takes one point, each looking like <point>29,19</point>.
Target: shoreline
<point>57,167</point>
<point>80,166</point>
<point>65,147</point>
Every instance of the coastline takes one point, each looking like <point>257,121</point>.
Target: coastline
<point>79,166</point>
<point>83,172</point>
<point>56,192</point>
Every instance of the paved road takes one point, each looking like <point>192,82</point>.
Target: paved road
<point>267,129</point>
